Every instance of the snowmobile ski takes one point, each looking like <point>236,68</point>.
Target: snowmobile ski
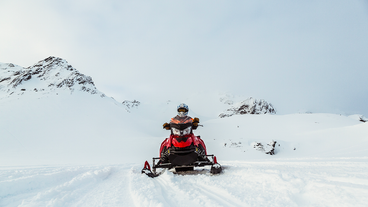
<point>216,168</point>
<point>147,170</point>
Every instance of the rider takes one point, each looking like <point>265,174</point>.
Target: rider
<point>182,117</point>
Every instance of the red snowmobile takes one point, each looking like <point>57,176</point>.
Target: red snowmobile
<point>182,151</point>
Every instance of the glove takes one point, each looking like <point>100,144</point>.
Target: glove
<point>195,123</point>
<point>166,126</point>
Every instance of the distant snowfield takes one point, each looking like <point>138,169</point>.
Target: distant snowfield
<point>59,149</point>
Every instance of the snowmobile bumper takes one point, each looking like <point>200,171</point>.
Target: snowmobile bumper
<point>178,158</point>
<point>185,164</point>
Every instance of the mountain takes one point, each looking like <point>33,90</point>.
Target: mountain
<point>46,76</point>
<point>248,106</point>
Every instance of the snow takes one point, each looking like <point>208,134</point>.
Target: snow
<point>80,149</point>
<point>288,182</point>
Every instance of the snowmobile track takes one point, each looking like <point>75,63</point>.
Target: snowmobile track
<point>261,183</point>
<point>201,194</point>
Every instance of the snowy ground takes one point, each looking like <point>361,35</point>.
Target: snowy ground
<point>322,182</point>
<point>83,150</point>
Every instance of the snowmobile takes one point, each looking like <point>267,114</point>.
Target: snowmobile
<point>182,151</point>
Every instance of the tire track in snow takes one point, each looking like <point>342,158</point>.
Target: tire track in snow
<point>173,194</point>
<point>22,185</point>
<point>222,197</point>
<point>110,192</point>
<point>159,191</point>
<point>71,192</point>
<point>182,191</point>
<point>177,190</point>
<point>65,186</point>
<point>261,183</point>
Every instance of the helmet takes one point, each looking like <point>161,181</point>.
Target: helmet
<point>183,110</point>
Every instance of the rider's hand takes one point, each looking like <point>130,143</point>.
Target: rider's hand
<point>166,126</point>
<point>195,122</point>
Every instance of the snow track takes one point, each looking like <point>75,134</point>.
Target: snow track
<point>265,183</point>
<point>64,186</point>
<point>185,190</point>
<point>335,182</point>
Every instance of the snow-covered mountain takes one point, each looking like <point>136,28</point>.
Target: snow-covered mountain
<point>66,144</point>
<point>46,76</point>
<point>248,106</point>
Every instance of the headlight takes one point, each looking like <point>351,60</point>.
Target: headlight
<point>187,131</point>
<point>176,131</point>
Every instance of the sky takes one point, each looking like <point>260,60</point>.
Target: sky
<point>298,55</point>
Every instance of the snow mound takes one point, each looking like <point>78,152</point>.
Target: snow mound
<point>248,106</point>
<point>48,75</point>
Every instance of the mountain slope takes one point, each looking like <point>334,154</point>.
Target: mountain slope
<point>46,76</point>
<point>50,111</point>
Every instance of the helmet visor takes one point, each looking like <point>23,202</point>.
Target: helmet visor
<point>182,110</point>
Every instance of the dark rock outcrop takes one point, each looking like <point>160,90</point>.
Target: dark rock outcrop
<point>268,149</point>
<point>249,106</point>
<point>131,104</point>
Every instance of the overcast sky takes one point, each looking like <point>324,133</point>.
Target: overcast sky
<point>298,55</point>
